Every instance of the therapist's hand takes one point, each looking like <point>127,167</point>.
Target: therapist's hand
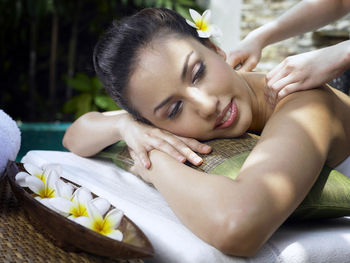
<point>142,138</point>
<point>246,55</point>
<point>304,71</point>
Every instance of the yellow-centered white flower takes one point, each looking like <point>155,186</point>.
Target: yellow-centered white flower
<point>106,225</point>
<point>202,24</point>
<point>42,182</point>
<point>73,205</point>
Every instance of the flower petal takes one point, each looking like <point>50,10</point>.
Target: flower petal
<point>191,23</point>
<point>64,189</point>
<point>82,195</point>
<point>116,234</point>
<point>53,166</point>
<point>215,31</point>
<point>195,15</point>
<point>51,179</point>
<point>206,16</point>
<point>33,169</point>
<point>93,212</point>
<point>34,184</point>
<point>21,178</point>
<point>114,217</point>
<point>61,204</point>
<point>101,204</point>
<point>46,202</point>
<point>203,34</point>
<point>83,220</point>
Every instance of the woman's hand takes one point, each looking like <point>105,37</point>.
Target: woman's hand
<point>305,71</point>
<point>246,55</point>
<point>142,138</point>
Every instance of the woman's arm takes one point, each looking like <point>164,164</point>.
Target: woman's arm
<point>94,131</point>
<point>238,216</point>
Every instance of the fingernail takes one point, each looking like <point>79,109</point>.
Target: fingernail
<point>198,160</point>
<point>146,164</point>
<point>206,148</point>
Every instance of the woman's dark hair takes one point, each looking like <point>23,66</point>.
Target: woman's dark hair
<point>115,54</point>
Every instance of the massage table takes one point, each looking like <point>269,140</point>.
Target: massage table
<point>311,241</point>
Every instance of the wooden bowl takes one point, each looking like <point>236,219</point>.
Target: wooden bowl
<point>72,236</point>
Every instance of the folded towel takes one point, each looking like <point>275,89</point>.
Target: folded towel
<point>10,140</point>
<point>327,241</point>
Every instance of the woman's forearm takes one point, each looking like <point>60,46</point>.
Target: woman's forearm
<point>307,15</point>
<point>235,216</point>
<point>94,131</point>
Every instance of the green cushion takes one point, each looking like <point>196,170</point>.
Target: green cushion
<point>328,198</point>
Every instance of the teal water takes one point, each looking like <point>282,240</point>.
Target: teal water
<point>41,136</point>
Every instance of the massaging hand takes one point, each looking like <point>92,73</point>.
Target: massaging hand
<point>142,138</point>
<point>303,71</point>
<point>246,55</point>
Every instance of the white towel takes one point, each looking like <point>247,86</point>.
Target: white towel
<point>173,242</point>
<point>10,140</point>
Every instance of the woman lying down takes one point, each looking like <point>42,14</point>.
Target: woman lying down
<point>176,87</point>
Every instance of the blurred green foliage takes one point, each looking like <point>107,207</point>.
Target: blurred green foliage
<point>91,96</point>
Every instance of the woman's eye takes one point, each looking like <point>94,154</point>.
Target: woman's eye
<point>199,72</point>
<point>174,109</point>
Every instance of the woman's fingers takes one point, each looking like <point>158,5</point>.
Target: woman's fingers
<point>167,146</point>
<point>195,145</point>
<point>142,155</point>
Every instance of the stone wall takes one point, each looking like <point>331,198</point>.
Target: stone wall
<point>255,13</point>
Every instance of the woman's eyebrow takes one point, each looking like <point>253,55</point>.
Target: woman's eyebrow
<point>162,103</point>
<point>184,70</point>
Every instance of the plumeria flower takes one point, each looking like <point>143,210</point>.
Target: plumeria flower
<point>44,183</point>
<point>41,181</point>
<point>74,206</point>
<point>201,23</point>
<point>42,173</point>
<point>106,225</point>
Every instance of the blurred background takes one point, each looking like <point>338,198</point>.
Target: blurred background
<point>47,76</point>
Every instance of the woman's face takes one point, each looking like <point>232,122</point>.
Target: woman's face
<point>184,87</point>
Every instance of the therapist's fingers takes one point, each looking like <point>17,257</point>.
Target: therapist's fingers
<point>288,89</point>
<point>235,59</point>
<point>280,85</point>
<point>249,64</point>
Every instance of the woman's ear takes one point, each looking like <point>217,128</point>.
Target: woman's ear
<point>216,49</point>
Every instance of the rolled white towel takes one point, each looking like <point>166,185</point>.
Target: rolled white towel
<point>10,140</point>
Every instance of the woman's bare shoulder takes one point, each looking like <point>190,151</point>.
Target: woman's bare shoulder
<point>322,114</point>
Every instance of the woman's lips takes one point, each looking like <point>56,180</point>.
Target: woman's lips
<point>227,117</point>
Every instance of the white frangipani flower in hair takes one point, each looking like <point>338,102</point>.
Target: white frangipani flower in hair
<point>201,23</point>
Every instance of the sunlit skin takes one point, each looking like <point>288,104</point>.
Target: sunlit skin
<point>200,85</point>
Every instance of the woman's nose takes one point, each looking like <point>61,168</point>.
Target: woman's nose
<point>205,104</point>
